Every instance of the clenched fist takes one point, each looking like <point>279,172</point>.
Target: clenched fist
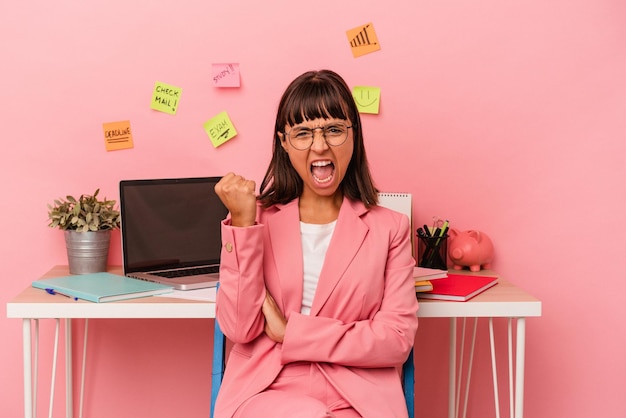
<point>237,194</point>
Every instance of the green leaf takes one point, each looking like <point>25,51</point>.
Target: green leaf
<point>85,214</point>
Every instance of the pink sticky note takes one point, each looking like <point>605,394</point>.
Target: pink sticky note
<point>225,75</point>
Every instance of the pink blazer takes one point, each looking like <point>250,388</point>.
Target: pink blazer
<point>363,320</point>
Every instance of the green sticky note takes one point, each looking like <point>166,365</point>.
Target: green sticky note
<point>165,98</point>
<point>220,129</point>
<point>367,99</point>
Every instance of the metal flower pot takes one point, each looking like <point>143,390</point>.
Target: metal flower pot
<point>87,252</point>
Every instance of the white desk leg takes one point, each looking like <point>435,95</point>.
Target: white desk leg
<point>494,369</point>
<point>55,359</point>
<point>452,371</point>
<point>511,373</point>
<point>82,373</point>
<point>28,368</point>
<point>520,354</point>
<point>469,369</point>
<point>69,402</point>
<point>459,363</point>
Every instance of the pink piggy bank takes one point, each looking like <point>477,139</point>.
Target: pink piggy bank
<point>473,249</point>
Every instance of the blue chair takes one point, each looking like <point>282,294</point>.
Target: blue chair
<point>219,363</point>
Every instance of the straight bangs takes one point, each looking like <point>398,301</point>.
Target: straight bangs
<point>315,100</point>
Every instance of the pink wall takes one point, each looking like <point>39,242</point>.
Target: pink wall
<point>508,117</point>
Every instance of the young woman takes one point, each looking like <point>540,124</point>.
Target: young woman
<point>316,286</point>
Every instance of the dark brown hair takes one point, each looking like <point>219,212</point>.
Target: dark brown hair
<point>317,94</point>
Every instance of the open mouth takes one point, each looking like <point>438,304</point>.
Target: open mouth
<point>322,171</point>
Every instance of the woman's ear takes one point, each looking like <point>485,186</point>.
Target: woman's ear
<point>283,140</point>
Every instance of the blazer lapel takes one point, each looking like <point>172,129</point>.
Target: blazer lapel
<point>286,245</point>
<point>350,231</point>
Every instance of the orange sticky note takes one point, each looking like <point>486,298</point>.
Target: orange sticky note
<point>363,40</point>
<point>117,135</point>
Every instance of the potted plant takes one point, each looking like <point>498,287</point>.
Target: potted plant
<point>87,223</point>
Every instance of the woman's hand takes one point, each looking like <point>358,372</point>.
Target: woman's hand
<point>238,196</point>
<point>275,322</point>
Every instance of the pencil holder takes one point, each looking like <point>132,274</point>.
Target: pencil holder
<point>432,252</point>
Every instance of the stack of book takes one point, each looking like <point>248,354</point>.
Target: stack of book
<point>438,284</point>
<point>423,277</point>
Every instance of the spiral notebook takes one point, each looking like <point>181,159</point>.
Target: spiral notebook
<point>400,202</point>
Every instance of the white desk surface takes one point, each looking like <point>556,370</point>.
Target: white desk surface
<point>502,300</point>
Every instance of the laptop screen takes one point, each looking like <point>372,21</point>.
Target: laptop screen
<point>170,223</point>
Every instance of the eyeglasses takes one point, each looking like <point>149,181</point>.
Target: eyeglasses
<point>334,134</point>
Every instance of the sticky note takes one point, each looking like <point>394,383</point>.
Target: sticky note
<point>165,98</point>
<point>220,129</point>
<point>367,99</point>
<point>117,135</point>
<point>363,40</point>
<point>225,75</point>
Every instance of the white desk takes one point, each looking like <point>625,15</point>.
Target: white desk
<point>501,301</point>
<point>504,300</point>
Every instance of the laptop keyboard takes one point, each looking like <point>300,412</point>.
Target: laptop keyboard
<point>187,272</point>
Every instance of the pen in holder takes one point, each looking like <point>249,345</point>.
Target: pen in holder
<point>432,251</point>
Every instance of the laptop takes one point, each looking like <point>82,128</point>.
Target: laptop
<point>171,231</point>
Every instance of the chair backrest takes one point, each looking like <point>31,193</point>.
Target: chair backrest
<point>408,384</point>
<point>219,361</point>
<point>219,355</point>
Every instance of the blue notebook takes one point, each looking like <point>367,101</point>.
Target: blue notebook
<point>101,287</point>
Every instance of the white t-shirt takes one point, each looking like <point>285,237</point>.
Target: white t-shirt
<point>315,241</point>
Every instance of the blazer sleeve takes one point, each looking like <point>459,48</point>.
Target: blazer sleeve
<point>242,289</point>
<point>383,340</point>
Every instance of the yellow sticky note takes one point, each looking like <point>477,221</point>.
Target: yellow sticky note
<point>363,40</point>
<point>165,98</point>
<point>117,135</point>
<point>220,129</point>
<point>367,99</point>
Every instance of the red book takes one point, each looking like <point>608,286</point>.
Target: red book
<point>458,287</point>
